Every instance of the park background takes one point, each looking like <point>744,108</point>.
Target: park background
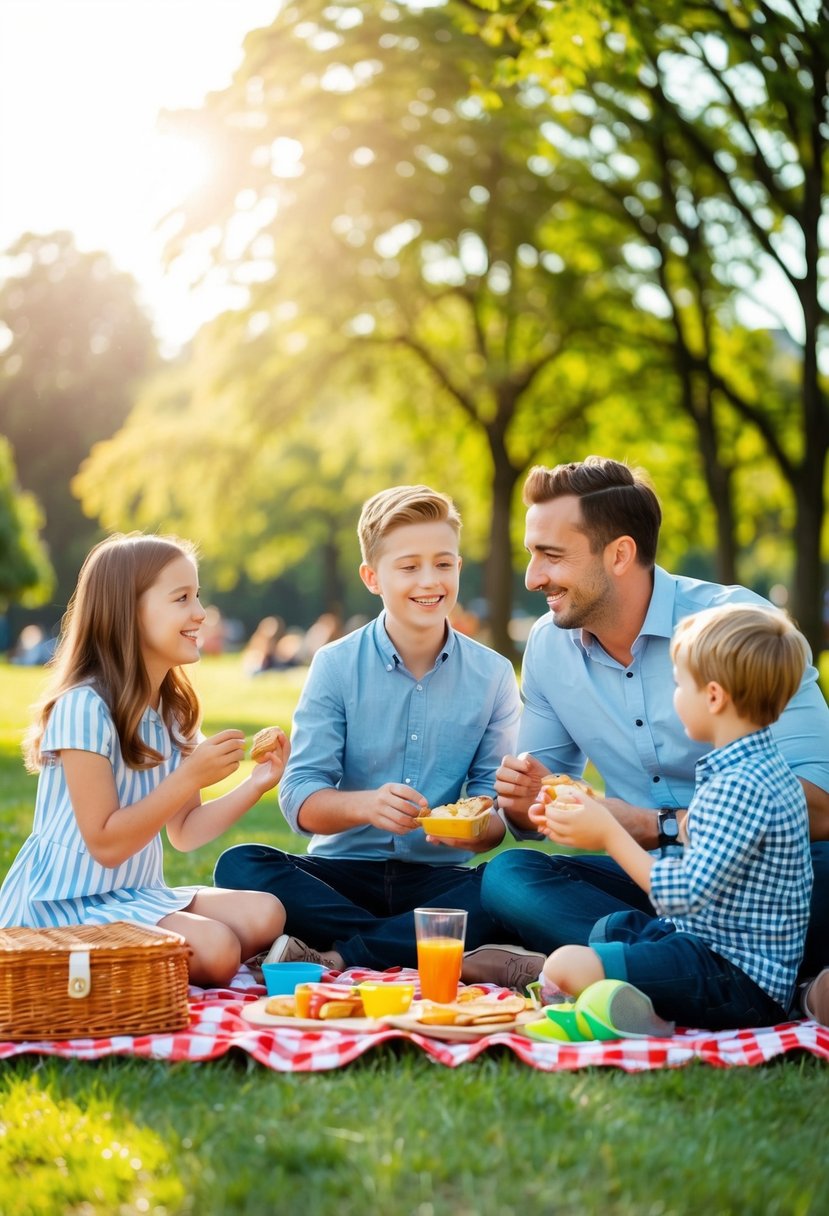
<point>389,242</point>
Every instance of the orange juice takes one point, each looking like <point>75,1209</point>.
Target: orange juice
<point>439,967</point>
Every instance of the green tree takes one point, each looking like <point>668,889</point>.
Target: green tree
<point>704,128</point>
<point>369,205</point>
<point>26,576</point>
<point>261,502</point>
<point>73,345</point>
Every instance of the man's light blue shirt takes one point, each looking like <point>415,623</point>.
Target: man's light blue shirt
<point>580,704</point>
<point>364,720</point>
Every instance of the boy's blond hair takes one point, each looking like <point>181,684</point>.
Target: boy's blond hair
<point>397,507</point>
<point>756,654</point>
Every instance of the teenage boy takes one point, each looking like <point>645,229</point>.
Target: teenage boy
<point>398,716</point>
<point>732,907</point>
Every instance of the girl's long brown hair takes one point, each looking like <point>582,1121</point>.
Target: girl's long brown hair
<point>100,645</point>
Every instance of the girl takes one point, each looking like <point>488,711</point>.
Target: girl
<point>117,747</point>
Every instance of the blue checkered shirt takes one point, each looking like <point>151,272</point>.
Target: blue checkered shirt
<point>743,882</point>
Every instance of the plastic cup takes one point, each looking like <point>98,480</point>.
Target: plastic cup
<point>440,934</point>
<point>282,978</point>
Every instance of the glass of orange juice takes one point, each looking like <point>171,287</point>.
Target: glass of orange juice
<point>440,934</point>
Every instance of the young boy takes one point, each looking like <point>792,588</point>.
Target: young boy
<point>733,907</point>
<point>401,715</point>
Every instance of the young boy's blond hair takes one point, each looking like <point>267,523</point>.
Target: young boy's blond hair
<point>755,654</point>
<point>397,507</point>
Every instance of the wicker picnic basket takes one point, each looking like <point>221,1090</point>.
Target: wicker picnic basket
<point>91,981</point>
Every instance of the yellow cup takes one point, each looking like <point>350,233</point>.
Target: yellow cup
<point>380,1000</point>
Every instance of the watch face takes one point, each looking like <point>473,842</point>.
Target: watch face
<point>668,829</point>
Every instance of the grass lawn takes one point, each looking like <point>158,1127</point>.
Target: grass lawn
<point>391,1134</point>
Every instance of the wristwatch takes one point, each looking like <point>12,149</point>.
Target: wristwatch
<point>667,827</point>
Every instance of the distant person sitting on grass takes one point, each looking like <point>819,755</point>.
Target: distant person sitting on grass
<point>117,747</point>
<point>732,908</point>
<point>398,716</point>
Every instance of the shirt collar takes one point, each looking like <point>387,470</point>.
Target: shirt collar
<point>391,659</point>
<point>741,749</point>
<point>659,619</point>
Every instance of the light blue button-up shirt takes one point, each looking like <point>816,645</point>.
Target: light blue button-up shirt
<point>364,720</point>
<point>580,704</point>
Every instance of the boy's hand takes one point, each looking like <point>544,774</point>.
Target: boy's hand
<point>215,758</point>
<point>394,808</point>
<point>268,771</point>
<point>576,820</point>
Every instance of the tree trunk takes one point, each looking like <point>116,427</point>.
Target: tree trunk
<point>807,608</point>
<point>697,402</point>
<point>332,576</point>
<point>718,477</point>
<point>498,571</point>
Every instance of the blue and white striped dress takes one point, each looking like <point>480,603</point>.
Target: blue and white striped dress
<point>54,880</point>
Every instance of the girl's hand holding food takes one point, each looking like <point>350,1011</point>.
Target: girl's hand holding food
<point>215,758</point>
<point>269,752</point>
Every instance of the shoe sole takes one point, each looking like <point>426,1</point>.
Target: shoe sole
<point>277,950</point>
<point>626,1013</point>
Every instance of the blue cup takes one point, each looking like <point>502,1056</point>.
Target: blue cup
<point>282,978</point>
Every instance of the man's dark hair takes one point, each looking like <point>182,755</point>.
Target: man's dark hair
<point>615,501</point>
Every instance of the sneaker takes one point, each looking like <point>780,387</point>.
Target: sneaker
<point>815,998</point>
<point>509,966</point>
<point>614,1009</point>
<point>291,950</point>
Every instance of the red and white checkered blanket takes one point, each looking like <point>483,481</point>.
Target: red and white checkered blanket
<point>216,1026</point>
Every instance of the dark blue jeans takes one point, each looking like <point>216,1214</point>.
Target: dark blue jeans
<point>816,954</point>
<point>687,981</point>
<point>361,909</point>
<point>549,900</point>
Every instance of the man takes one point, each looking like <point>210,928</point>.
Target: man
<point>597,684</point>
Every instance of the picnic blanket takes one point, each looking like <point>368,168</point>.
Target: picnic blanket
<point>216,1026</point>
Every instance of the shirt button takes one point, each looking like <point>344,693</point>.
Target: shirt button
<point>408,781</point>
<point>639,722</point>
<point>656,779</point>
<point>629,675</point>
<point>389,667</point>
<point>420,688</point>
<point>414,737</point>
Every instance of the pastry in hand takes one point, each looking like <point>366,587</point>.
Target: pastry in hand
<point>265,741</point>
<point>464,808</point>
<point>551,780</point>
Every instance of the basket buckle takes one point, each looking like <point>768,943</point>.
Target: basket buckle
<point>80,981</point>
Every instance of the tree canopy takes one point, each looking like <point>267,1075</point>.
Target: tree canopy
<point>490,234</point>
<point>705,129</point>
<point>378,214</point>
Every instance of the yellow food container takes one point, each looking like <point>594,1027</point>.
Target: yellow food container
<point>455,826</point>
<point>380,1000</point>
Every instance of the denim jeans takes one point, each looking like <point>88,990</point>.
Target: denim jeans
<point>547,900</point>
<point>361,909</point>
<point>816,954</point>
<point>687,981</point>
